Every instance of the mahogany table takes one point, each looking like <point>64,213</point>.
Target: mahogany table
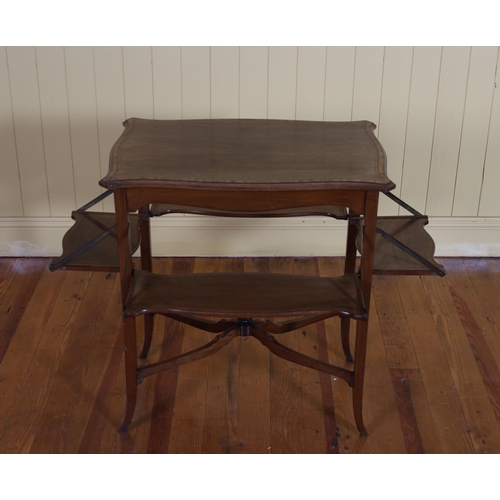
<point>247,168</point>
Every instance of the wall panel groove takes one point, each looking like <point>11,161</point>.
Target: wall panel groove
<point>196,90</point>
<point>311,72</point>
<point>110,94</point>
<point>475,131</point>
<point>282,94</point>
<point>448,129</point>
<point>392,126</point>
<point>420,128</point>
<point>224,82</point>
<point>82,109</point>
<point>253,82</point>
<point>339,83</point>
<point>53,91</point>
<point>167,83</point>
<point>488,204</point>
<point>437,112</point>
<point>28,130</point>
<point>11,202</point>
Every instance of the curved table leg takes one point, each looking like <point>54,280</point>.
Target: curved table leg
<point>232,329</point>
<point>148,334</point>
<point>146,265</point>
<point>301,359</point>
<point>130,371</point>
<point>135,375</point>
<point>344,333</point>
<point>359,372</point>
<point>349,267</point>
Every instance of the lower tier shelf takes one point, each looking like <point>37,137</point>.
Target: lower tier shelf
<point>244,295</point>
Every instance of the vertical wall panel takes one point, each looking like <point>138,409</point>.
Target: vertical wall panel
<point>28,130</point>
<point>83,122</point>
<point>437,113</point>
<point>339,85</point>
<point>195,82</point>
<point>490,199</point>
<point>55,127</point>
<point>311,83</point>
<point>480,87</point>
<point>167,83</point>
<point>393,117</point>
<point>110,103</point>
<point>138,79</point>
<point>448,130</point>
<point>421,115</point>
<point>253,81</point>
<point>282,82</point>
<point>368,84</point>
<point>10,188</point>
<point>224,82</point>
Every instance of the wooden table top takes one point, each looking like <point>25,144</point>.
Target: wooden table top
<point>248,154</point>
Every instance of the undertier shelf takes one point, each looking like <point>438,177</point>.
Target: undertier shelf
<point>409,232</point>
<point>244,295</point>
<point>402,245</point>
<point>91,243</point>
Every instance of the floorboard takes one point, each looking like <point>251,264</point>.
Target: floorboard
<point>432,380</point>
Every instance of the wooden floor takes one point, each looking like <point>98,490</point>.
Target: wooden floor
<point>432,381</point>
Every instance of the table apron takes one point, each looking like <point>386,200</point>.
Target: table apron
<point>250,201</point>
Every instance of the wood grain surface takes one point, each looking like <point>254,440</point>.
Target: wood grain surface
<point>432,372</point>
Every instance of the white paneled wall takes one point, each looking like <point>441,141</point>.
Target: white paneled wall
<point>437,110</point>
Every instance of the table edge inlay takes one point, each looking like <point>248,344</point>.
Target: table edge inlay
<point>269,185</point>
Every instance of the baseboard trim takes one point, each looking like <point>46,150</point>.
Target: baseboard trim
<point>192,235</point>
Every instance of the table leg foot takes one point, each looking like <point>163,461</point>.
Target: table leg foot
<point>124,427</point>
<point>130,408</point>
<point>358,415</point>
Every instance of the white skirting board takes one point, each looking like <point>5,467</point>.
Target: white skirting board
<point>192,235</point>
